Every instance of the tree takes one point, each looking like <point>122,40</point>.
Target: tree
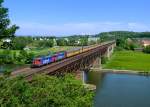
<point>49,43</point>
<point>45,43</point>
<point>19,43</point>
<point>25,57</point>
<point>62,42</point>
<point>84,41</point>
<point>6,31</point>
<point>6,57</point>
<point>44,91</point>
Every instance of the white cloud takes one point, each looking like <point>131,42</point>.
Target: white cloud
<point>27,28</point>
<point>137,26</point>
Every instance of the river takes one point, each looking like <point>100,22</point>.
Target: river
<point>120,90</point>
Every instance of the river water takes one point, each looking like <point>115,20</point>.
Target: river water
<point>120,90</point>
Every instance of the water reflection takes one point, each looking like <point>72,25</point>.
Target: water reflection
<point>120,90</point>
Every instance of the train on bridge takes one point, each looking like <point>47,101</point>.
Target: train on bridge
<point>45,60</point>
<point>67,61</point>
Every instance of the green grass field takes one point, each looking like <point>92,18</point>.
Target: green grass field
<point>129,60</point>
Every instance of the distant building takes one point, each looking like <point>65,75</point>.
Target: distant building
<point>145,43</point>
<point>93,39</point>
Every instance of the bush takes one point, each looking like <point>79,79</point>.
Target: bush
<point>119,48</point>
<point>44,91</point>
<point>45,43</point>
<point>7,72</point>
<point>104,59</point>
<point>29,58</point>
<point>24,57</point>
<point>146,49</point>
<point>62,42</point>
<point>19,43</point>
<point>6,57</point>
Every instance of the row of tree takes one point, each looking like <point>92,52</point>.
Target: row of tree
<point>19,43</point>
<point>124,39</point>
<point>76,40</point>
<point>123,34</point>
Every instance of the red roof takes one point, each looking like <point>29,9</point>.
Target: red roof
<point>145,41</point>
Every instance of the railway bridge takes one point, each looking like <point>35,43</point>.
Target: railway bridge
<point>84,61</point>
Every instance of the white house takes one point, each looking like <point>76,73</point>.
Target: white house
<point>6,40</point>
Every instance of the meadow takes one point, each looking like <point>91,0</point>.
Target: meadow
<point>129,60</point>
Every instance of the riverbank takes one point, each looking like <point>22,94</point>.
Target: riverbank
<point>125,72</point>
<point>129,61</point>
<point>90,87</point>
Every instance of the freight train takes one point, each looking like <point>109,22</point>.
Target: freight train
<point>44,60</point>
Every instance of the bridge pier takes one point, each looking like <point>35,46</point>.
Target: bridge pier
<point>110,50</point>
<point>96,66</point>
<point>82,75</point>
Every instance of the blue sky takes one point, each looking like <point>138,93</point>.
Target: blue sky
<point>67,17</point>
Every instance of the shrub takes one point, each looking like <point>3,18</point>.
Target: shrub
<point>44,91</point>
<point>6,57</point>
<point>104,59</point>
<point>146,49</point>
<point>24,57</point>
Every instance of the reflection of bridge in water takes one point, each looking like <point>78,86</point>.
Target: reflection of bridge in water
<point>81,62</point>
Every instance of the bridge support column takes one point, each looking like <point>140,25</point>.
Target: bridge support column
<point>97,64</point>
<point>82,75</point>
<point>109,51</point>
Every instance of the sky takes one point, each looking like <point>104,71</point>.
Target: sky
<point>69,17</point>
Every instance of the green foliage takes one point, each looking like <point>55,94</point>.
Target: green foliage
<point>124,43</point>
<point>147,49</point>
<point>24,57</point>
<point>83,41</point>
<point>104,59</point>
<point>92,42</point>
<point>72,40</point>
<point>44,91</point>
<point>120,42</point>
<point>6,45</point>
<point>10,57</point>
<point>7,73</point>
<point>78,40</point>
<point>6,57</point>
<point>45,43</point>
<point>62,42</point>
<point>119,48</point>
<point>6,31</point>
<point>19,43</point>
